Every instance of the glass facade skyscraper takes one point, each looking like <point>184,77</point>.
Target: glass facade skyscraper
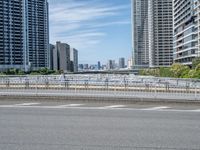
<point>140,41</point>
<point>24,35</point>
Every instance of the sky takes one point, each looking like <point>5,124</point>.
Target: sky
<point>99,29</point>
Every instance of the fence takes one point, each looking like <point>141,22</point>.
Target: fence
<point>108,86</point>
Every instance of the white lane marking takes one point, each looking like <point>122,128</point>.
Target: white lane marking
<point>97,108</point>
<point>26,104</point>
<point>113,106</point>
<point>157,108</point>
<point>197,110</point>
<point>69,105</point>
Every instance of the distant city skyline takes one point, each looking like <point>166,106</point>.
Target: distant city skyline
<point>101,30</point>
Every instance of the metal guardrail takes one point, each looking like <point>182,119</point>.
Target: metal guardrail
<point>119,86</point>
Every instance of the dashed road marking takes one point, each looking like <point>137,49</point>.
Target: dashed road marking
<point>197,110</point>
<point>26,104</point>
<point>69,105</point>
<point>157,108</point>
<point>113,106</point>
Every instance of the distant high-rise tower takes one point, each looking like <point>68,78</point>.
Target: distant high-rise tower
<point>24,34</point>
<point>160,24</point>
<point>61,57</point>
<point>111,65</point>
<point>74,59</point>
<point>99,65</point>
<point>51,53</point>
<point>140,41</point>
<point>121,63</point>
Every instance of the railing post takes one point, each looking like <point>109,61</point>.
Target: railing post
<point>26,83</point>
<point>36,88</point>
<point>75,86</point>
<point>195,94</point>
<point>7,82</point>
<point>155,92</point>
<point>47,83</point>
<point>106,84</point>
<point>66,84</point>
<point>115,88</point>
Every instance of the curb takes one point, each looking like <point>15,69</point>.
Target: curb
<point>97,99</point>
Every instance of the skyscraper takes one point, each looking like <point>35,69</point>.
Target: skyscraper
<point>61,57</point>
<point>111,65</point>
<point>24,37</point>
<point>51,53</point>
<point>140,41</point>
<point>121,63</point>
<point>99,65</point>
<point>160,28</point>
<point>185,31</point>
<point>74,59</point>
<point>38,33</point>
<point>12,39</point>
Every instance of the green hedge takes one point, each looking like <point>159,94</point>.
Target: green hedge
<point>42,71</point>
<point>176,71</point>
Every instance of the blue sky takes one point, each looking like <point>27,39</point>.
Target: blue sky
<point>99,29</point>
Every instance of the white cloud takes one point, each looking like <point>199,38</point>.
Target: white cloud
<point>79,23</point>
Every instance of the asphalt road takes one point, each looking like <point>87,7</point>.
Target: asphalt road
<point>53,128</point>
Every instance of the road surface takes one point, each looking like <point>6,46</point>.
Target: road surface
<point>63,125</point>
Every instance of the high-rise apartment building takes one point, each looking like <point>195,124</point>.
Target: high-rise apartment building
<point>140,41</point>
<point>160,32</point>
<point>61,57</point>
<point>38,33</point>
<point>185,31</point>
<point>74,59</point>
<point>24,37</point>
<point>12,40</point>
<point>51,53</point>
<point>197,21</point>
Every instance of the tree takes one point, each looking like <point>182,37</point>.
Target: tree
<point>1,73</point>
<point>191,73</point>
<point>176,69</point>
<point>197,68</point>
<point>185,72</point>
<point>197,71</point>
<point>165,72</point>
<point>195,62</point>
<point>179,70</point>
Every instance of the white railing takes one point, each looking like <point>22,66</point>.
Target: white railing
<point>108,86</point>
